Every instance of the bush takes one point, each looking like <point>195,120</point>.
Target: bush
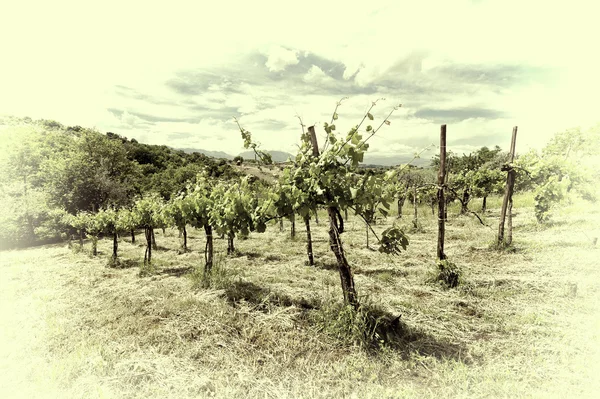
<point>368,326</point>
<point>448,274</point>
<point>238,160</point>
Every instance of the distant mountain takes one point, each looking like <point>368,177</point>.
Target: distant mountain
<point>382,160</point>
<point>277,156</point>
<point>213,154</point>
<point>281,156</point>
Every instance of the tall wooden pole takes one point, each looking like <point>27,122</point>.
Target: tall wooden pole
<point>507,202</point>
<point>440,195</point>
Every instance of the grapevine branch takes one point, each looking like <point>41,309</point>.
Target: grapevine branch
<point>264,157</point>
<point>367,223</point>
<point>359,125</point>
<point>333,118</point>
<point>461,201</point>
<point>379,127</point>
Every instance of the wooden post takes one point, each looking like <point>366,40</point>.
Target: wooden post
<point>208,250</point>
<point>416,209</point>
<point>115,244</point>
<point>440,195</point>
<point>309,248</point>
<point>335,243</point>
<point>507,202</point>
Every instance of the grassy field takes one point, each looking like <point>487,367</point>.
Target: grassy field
<point>524,323</point>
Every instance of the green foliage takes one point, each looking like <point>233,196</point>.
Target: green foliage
<point>237,208</point>
<point>127,220</point>
<point>447,274</point>
<point>238,160</point>
<point>393,241</point>
<point>55,224</point>
<point>148,211</point>
<point>552,178</point>
<point>333,178</point>
<point>90,172</point>
<point>370,193</point>
<point>199,202</point>
<point>48,166</point>
<point>548,195</point>
<point>475,174</point>
<point>264,157</point>
<point>574,143</point>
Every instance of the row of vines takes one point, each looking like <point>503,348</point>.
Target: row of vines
<point>326,176</point>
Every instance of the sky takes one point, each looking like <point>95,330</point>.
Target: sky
<point>177,73</point>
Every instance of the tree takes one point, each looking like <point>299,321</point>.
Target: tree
<point>552,178</point>
<point>148,214</point>
<point>236,209</point>
<point>198,212</point>
<point>574,143</point>
<point>90,173</point>
<point>93,227</point>
<point>474,174</point>
<point>330,173</point>
<point>179,211</point>
<point>108,219</point>
<point>370,193</point>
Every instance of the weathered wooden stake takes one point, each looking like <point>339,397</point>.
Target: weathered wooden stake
<point>208,250</point>
<point>416,209</point>
<point>115,244</point>
<point>507,202</point>
<point>440,195</point>
<point>309,248</point>
<point>293,229</point>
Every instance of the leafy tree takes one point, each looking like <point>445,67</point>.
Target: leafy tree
<point>55,224</point>
<point>179,211</point>
<point>370,194</point>
<point>330,173</point>
<point>474,174</point>
<point>574,143</point>
<point>148,212</point>
<point>91,173</point>
<point>198,212</point>
<point>127,221</point>
<point>552,178</point>
<point>93,227</point>
<point>237,209</point>
<point>108,221</point>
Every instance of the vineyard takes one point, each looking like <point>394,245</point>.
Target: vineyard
<point>173,275</point>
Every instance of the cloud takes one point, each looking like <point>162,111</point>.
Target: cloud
<point>278,58</point>
<point>456,114</point>
<point>163,70</point>
<point>315,75</point>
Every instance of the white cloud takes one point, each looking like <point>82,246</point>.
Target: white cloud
<point>278,58</point>
<point>64,60</point>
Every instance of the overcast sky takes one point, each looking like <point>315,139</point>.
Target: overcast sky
<point>177,74</point>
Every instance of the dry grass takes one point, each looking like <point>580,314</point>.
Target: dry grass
<point>524,323</point>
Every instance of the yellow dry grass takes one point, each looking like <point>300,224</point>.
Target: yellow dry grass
<point>525,323</point>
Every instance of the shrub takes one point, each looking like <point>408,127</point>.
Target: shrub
<point>448,274</point>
